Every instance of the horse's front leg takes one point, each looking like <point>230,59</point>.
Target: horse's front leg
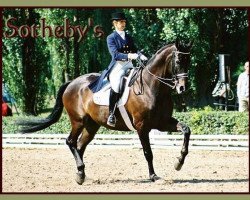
<point>144,138</point>
<point>179,126</point>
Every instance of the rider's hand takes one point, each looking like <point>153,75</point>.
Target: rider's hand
<point>143,58</point>
<point>132,56</point>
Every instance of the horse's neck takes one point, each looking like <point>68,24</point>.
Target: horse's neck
<point>160,66</point>
<point>155,87</point>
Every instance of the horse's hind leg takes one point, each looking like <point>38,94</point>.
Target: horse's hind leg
<point>87,136</point>
<point>178,126</point>
<point>71,141</point>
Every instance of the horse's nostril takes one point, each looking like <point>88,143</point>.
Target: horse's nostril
<point>182,88</point>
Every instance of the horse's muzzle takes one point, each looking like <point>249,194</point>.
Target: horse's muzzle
<point>181,86</point>
<point>180,89</point>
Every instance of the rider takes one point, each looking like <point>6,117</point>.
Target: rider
<point>122,49</point>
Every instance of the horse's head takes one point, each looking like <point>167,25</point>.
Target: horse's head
<point>170,65</point>
<point>180,65</point>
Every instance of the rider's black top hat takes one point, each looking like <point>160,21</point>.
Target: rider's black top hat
<point>118,16</point>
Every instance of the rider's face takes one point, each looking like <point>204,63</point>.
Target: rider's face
<point>120,25</point>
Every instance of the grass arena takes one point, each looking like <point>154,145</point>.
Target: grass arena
<point>123,169</point>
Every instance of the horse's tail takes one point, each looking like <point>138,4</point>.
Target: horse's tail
<point>40,124</point>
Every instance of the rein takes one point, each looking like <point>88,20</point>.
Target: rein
<point>163,80</point>
<point>138,73</point>
<point>174,80</point>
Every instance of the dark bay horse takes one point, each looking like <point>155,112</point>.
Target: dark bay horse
<point>165,71</point>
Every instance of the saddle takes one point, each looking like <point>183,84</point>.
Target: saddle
<point>102,97</point>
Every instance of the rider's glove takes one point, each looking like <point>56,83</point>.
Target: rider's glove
<point>132,56</point>
<point>143,58</point>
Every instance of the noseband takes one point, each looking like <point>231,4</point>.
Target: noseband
<point>171,82</point>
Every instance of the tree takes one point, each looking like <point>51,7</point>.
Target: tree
<point>34,69</point>
<point>214,32</point>
<point>31,63</point>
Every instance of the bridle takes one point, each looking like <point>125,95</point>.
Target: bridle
<point>173,81</point>
<point>170,82</point>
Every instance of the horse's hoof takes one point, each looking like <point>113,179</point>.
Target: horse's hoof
<point>178,165</point>
<point>154,177</point>
<point>80,178</point>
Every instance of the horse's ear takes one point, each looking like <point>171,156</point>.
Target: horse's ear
<point>177,43</point>
<point>190,44</point>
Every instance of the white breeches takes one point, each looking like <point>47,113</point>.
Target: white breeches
<point>118,71</point>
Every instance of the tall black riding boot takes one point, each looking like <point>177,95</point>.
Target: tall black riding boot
<point>113,99</point>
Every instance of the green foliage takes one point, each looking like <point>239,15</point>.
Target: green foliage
<point>12,62</point>
<point>25,74</point>
<point>214,32</point>
<point>215,122</point>
<point>54,60</point>
<point>200,122</point>
<point>178,23</point>
<point>145,27</point>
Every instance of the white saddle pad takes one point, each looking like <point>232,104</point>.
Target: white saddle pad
<point>102,97</point>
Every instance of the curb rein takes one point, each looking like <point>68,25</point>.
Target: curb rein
<point>174,80</point>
